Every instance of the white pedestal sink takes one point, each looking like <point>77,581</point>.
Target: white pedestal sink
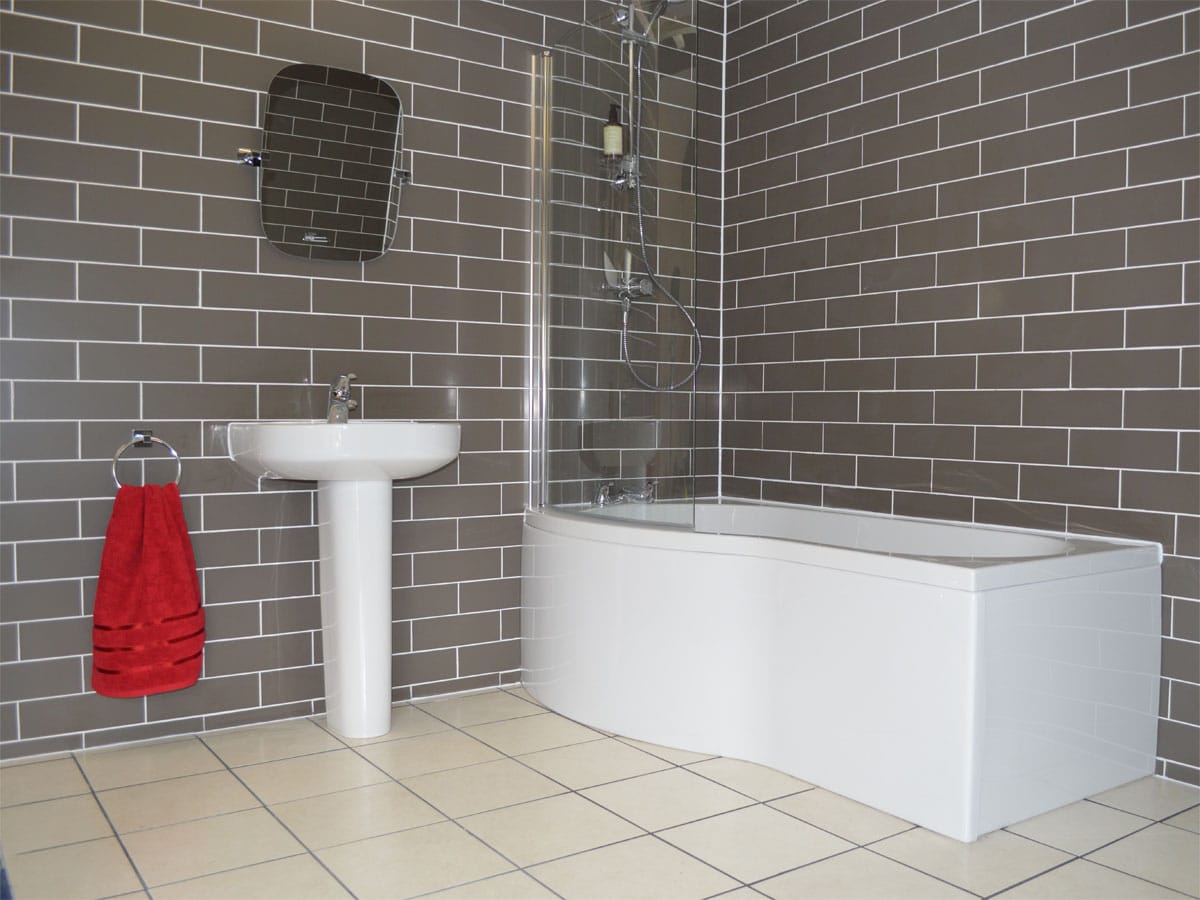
<point>353,464</point>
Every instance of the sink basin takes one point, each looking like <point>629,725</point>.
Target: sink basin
<point>360,450</point>
<point>353,464</point>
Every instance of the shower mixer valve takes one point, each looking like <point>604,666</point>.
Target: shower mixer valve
<point>630,287</point>
<point>626,173</point>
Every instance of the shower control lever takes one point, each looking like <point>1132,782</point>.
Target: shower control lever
<point>625,174</point>
<point>630,288</point>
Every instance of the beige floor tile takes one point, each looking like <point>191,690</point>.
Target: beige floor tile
<point>641,868</point>
<point>670,754</point>
<point>17,761</point>
<point>428,753</point>
<point>858,875</point>
<point>291,878</point>
<point>140,763</point>
<point>308,776</point>
<point>529,734</point>
<point>86,870</point>
<point>845,817</point>
<point>49,823</point>
<point>663,799</point>
<point>1079,828</point>
<point>1151,797</point>
<point>40,781</point>
<point>407,721</point>
<point>754,843</point>
<point>475,709</point>
<point>412,862</point>
<point>1189,820</point>
<point>759,782</point>
<point>355,814</point>
<point>596,762</point>
<point>547,829</point>
<point>205,846</point>
<point>513,886</point>
<point>475,789</point>
<point>175,800</point>
<point>993,862</point>
<point>1162,854</point>
<point>1082,880</point>
<point>523,694</point>
<point>271,741</point>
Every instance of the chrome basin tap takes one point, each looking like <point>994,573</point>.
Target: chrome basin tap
<point>340,401</point>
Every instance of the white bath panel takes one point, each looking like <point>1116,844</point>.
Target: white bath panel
<point>949,681</point>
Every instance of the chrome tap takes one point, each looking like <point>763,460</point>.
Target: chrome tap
<point>625,173</point>
<point>340,401</point>
<point>629,288</point>
<point>644,494</point>
<point>609,493</point>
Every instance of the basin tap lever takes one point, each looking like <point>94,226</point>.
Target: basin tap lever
<point>339,388</point>
<point>340,401</point>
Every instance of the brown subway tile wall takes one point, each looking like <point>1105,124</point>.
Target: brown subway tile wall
<point>984,206</point>
<point>143,294</point>
<point>949,270</point>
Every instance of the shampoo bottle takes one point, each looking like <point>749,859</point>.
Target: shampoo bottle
<point>614,134</point>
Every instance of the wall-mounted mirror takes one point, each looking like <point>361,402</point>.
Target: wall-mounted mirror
<point>330,163</point>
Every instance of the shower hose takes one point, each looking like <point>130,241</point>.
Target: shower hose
<point>636,127</point>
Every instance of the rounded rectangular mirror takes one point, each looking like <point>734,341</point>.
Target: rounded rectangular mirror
<point>330,179</point>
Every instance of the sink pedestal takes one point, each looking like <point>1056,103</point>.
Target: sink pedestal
<point>356,604</point>
<point>354,464</point>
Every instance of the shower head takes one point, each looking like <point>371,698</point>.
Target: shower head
<point>625,17</point>
<point>659,8</point>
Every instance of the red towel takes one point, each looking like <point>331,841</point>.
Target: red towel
<point>148,625</point>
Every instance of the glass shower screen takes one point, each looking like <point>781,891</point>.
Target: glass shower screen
<point>615,346</point>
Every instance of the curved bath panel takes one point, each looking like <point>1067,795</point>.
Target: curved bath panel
<point>964,679</point>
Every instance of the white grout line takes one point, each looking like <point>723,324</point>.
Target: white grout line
<point>721,416</point>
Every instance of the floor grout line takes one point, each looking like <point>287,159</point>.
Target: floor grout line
<point>117,834</point>
<point>460,822</point>
<point>445,816</point>
<point>279,821</point>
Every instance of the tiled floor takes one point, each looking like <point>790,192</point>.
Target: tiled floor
<point>490,795</point>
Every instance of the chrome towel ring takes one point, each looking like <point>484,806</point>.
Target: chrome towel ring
<point>145,439</point>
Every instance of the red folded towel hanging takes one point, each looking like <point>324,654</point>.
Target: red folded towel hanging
<point>148,624</point>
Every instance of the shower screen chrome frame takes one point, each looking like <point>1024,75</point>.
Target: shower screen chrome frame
<point>541,81</point>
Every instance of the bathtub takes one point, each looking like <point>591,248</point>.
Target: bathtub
<point>960,677</point>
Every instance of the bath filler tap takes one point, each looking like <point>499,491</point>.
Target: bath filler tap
<point>610,492</point>
<point>340,401</point>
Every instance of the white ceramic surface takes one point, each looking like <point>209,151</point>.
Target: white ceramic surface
<point>354,465</point>
<point>950,682</point>
<point>355,539</point>
<point>359,450</point>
